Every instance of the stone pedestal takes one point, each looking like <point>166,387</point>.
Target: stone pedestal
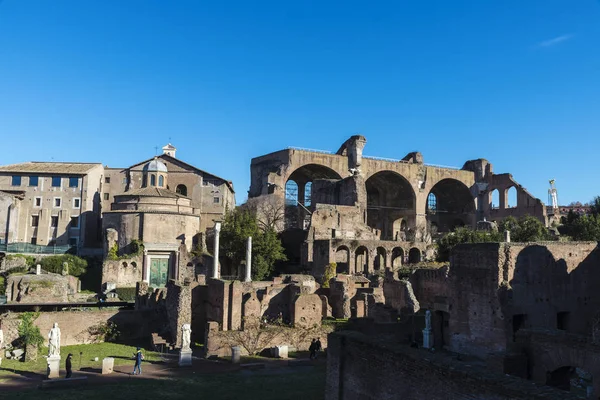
<point>281,352</point>
<point>236,352</point>
<point>53,367</point>
<point>185,358</point>
<point>107,365</point>
<point>427,338</point>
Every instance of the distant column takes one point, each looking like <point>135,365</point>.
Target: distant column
<point>248,260</point>
<point>507,236</point>
<point>216,255</point>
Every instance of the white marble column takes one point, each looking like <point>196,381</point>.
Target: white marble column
<point>216,272</point>
<point>248,260</point>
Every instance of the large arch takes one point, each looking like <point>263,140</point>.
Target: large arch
<point>296,203</point>
<point>397,257</point>
<point>380,259</point>
<point>453,206</point>
<point>390,198</point>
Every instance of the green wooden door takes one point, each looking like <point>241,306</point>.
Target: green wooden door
<point>159,272</point>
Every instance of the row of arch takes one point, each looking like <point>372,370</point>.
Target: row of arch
<point>359,260</point>
<point>391,200</point>
<point>511,198</point>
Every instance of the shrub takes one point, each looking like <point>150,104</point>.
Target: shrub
<point>29,260</point>
<point>330,271</point>
<point>29,334</point>
<point>134,248</point>
<point>77,265</point>
<point>2,285</point>
<point>104,332</point>
<point>126,293</point>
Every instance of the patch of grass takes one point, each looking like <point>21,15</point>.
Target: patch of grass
<point>286,383</point>
<point>123,355</point>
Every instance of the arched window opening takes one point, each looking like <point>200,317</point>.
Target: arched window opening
<point>144,181</point>
<point>152,180</point>
<point>431,203</point>
<point>362,260</point>
<point>307,194</point>
<point>380,259</point>
<point>342,259</point>
<point>291,193</point>
<point>414,256</point>
<point>495,199</point>
<point>161,181</point>
<point>397,257</point>
<point>511,197</point>
<point>181,189</point>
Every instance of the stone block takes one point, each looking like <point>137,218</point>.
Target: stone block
<point>236,352</point>
<point>18,353</point>
<point>185,358</point>
<point>53,367</point>
<point>281,352</point>
<point>108,365</point>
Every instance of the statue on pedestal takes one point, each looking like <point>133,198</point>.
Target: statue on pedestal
<point>428,320</point>
<point>54,341</point>
<point>186,331</point>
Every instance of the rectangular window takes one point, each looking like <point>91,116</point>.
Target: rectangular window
<point>37,202</point>
<point>35,220</point>
<point>73,242</point>
<point>106,196</point>
<point>216,200</point>
<point>16,180</point>
<point>107,179</point>
<point>56,181</point>
<point>54,221</point>
<point>76,203</point>
<point>33,180</point>
<point>33,240</point>
<point>73,181</point>
<point>74,222</point>
<point>57,202</point>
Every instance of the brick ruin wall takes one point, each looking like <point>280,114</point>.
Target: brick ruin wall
<point>75,325</point>
<point>362,368</point>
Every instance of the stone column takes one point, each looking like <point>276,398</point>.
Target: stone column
<point>507,236</point>
<point>146,268</point>
<point>216,272</point>
<point>248,277</point>
<point>38,269</point>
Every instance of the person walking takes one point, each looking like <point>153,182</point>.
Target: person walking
<point>138,362</point>
<point>69,366</point>
<point>318,347</point>
<point>313,349</point>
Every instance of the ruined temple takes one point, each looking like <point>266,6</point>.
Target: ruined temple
<point>367,213</point>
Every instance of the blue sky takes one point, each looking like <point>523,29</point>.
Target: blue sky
<point>513,81</point>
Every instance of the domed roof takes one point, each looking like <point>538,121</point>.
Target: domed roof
<point>155,166</point>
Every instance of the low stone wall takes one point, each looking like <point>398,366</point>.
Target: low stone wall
<point>75,325</point>
<point>359,367</point>
<point>44,288</point>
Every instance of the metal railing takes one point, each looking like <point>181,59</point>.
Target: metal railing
<point>34,248</point>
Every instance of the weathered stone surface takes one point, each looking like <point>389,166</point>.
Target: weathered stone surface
<point>308,310</point>
<point>108,365</point>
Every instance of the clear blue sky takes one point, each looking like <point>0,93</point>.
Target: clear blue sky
<point>513,81</point>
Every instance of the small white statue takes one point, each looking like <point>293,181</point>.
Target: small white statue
<point>186,331</point>
<point>54,341</point>
<point>428,320</point>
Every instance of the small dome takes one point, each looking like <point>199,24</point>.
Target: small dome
<point>155,166</point>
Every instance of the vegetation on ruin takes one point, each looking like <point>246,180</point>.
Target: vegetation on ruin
<point>29,260</point>
<point>104,332</point>
<point>29,334</point>
<point>330,272</point>
<point>133,249</point>
<point>126,293</point>
<point>525,229</point>
<point>267,250</point>
<point>76,265</point>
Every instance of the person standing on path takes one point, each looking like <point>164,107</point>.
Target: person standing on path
<point>138,362</point>
<point>313,349</point>
<point>318,347</point>
<point>69,366</point>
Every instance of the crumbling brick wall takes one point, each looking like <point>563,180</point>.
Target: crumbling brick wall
<point>359,367</point>
<point>179,309</point>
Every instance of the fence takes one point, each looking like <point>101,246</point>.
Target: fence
<point>34,248</point>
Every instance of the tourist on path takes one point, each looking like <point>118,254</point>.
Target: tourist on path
<point>318,347</point>
<point>313,349</point>
<point>69,366</point>
<point>138,362</point>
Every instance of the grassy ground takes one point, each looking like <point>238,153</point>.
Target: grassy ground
<point>122,354</point>
<point>288,383</point>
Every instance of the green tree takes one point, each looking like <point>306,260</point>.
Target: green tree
<point>586,227</point>
<point>267,250</point>
<point>29,334</point>
<point>595,206</point>
<point>330,272</point>
<point>529,229</point>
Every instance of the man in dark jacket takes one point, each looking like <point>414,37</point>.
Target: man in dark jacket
<point>313,349</point>
<point>318,347</point>
<point>69,366</point>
